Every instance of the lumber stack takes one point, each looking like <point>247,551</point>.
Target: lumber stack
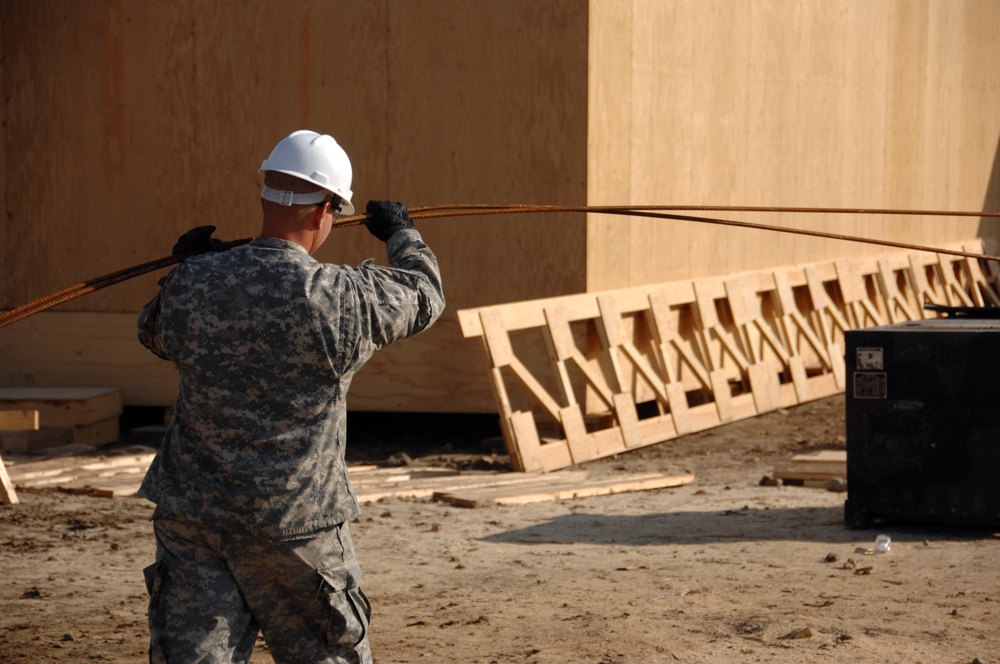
<point>586,376</point>
<point>14,427</point>
<point>62,416</point>
<point>110,475</point>
<point>120,474</point>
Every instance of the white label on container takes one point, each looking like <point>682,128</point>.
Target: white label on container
<point>870,359</point>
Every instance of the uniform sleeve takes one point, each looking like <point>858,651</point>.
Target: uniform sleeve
<point>148,323</point>
<point>401,300</point>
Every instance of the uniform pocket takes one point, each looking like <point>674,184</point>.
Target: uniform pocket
<point>348,608</point>
<point>152,574</point>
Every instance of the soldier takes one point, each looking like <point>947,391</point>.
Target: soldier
<point>250,485</point>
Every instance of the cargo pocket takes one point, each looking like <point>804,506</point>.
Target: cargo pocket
<point>153,575</point>
<point>348,608</point>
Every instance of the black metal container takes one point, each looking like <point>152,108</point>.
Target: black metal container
<point>923,422</point>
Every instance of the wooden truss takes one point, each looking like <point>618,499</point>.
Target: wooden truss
<point>586,376</point>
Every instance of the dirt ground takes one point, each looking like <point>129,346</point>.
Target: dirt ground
<point>723,570</point>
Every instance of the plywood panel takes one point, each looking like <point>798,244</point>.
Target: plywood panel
<point>806,103</point>
<point>132,122</point>
<point>834,114</point>
<point>435,371</point>
<point>488,103</point>
<point>609,163</point>
<point>4,226</point>
<point>718,127</point>
<point>91,96</point>
<point>772,111</point>
<point>662,151</point>
<point>79,349</point>
<point>862,126</point>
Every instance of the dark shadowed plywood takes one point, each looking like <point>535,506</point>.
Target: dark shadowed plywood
<point>488,104</point>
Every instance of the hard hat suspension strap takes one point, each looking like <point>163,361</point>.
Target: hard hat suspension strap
<point>282,197</point>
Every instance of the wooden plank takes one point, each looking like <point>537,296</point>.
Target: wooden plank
<point>8,494</point>
<point>526,455</point>
<point>559,344</point>
<point>18,420</point>
<point>764,386</point>
<point>657,429</point>
<point>549,491</point>
<point>96,433</point>
<point>628,421</point>
<point>64,406</point>
<point>381,477</point>
<point>14,441</point>
<point>677,400</point>
<point>428,487</point>
<point>662,329</point>
<point>824,464</point>
<point>497,342</point>
<point>65,470</point>
<point>580,443</point>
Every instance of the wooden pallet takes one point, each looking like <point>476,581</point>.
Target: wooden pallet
<point>586,376</point>
<point>65,416</point>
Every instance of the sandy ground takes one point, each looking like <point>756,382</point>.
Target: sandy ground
<point>723,570</point>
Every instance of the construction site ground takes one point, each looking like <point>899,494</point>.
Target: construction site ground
<point>722,570</point>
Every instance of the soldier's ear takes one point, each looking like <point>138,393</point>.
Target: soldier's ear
<point>318,216</point>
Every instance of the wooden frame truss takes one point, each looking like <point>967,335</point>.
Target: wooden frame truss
<point>586,376</point>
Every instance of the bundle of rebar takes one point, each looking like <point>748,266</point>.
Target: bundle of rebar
<point>439,211</point>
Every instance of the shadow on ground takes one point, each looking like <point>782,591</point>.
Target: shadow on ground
<point>814,524</point>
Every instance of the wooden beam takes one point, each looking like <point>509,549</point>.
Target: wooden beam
<point>18,420</point>
<point>7,493</point>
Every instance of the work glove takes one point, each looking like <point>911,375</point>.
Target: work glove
<point>198,241</point>
<point>386,218</point>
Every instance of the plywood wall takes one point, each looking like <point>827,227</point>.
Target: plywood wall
<point>814,103</point>
<point>126,122</point>
<point>134,121</point>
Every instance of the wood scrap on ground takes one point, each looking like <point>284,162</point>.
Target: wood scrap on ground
<point>8,494</point>
<point>555,486</point>
<point>819,470</point>
<point>120,474</point>
<point>104,475</point>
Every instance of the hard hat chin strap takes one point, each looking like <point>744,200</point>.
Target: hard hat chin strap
<point>282,197</point>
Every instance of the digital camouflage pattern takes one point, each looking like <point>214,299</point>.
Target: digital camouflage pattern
<point>266,340</point>
<point>211,592</point>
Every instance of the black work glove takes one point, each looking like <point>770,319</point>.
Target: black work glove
<point>386,218</point>
<point>198,241</point>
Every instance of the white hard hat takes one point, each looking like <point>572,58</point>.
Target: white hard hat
<point>313,157</point>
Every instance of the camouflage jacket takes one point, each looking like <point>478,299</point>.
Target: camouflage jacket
<point>266,341</point>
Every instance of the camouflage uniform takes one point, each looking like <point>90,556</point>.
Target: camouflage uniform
<point>251,475</point>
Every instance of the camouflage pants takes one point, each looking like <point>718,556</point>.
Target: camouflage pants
<point>211,592</point>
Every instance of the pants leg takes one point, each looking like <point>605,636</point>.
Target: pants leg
<point>196,610</point>
<point>306,596</point>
